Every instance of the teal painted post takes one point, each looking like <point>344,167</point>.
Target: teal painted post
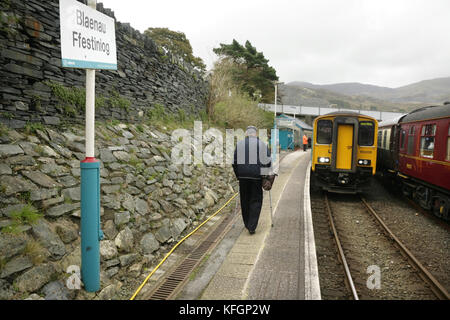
<point>90,224</point>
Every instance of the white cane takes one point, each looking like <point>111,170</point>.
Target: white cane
<point>271,210</point>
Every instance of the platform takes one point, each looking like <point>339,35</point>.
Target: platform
<point>279,262</point>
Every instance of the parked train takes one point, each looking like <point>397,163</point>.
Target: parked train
<point>414,149</point>
<point>344,152</point>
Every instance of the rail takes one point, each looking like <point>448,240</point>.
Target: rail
<point>348,275</point>
<point>436,287</point>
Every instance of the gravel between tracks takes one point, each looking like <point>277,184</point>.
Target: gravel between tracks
<point>366,245</point>
<point>426,238</point>
<point>331,274</point>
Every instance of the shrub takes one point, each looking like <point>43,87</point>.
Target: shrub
<point>239,111</point>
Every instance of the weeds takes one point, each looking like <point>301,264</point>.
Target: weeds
<point>73,99</point>
<point>117,101</point>
<point>239,111</point>
<point>3,130</point>
<point>27,215</point>
<point>31,127</point>
<point>35,251</point>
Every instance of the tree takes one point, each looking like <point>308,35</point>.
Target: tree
<point>177,43</point>
<point>252,71</point>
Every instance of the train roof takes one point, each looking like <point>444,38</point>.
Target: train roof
<point>426,113</point>
<point>345,113</point>
<point>390,122</point>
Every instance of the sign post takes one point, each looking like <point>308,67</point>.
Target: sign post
<point>88,42</point>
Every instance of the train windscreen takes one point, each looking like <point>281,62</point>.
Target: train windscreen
<point>324,131</point>
<point>366,133</point>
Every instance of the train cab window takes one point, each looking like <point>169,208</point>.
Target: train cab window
<point>324,131</point>
<point>412,130</point>
<point>427,140</point>
<point>366,133</point>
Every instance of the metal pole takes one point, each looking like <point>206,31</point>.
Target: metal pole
<point>90,113</point>
<point>90,193</point>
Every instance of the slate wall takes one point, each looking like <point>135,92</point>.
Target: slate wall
<point>30,56</point>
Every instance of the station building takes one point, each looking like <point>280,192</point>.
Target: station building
<point>291,132</point>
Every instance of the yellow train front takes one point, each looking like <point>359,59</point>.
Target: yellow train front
<point>344,152</point>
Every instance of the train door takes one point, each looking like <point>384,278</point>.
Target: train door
<point>344,148</point>
<point>395,145</point>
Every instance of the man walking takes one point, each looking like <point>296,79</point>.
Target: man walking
<point>251,161</point>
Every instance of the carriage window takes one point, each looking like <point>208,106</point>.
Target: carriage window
<point>411,140</point>
<point>427,140</point>
<point>324,131</point>
<point>383,144</point>
<point>403,137</point>
<point>366,133</point>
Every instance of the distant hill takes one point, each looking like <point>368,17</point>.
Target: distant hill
<point>298,95</point>
<point>355,95</point>
<point>428,91</point>
<point>349,88</point>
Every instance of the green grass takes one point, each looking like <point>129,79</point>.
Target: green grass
<point>3,130</point>
<point>238,111</point>
<point>35,251</point>
<point>117,101</point>
<point>134,161</point>
<point>73,96</point>
<point>194,273</point>
<point>159,116</point>
<point>139,128</point>
<point>31,127</point>
<point>72,100</point>
<point>27,215</point>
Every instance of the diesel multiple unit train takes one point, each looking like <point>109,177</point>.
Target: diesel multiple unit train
<point>344,152</point>
<point>414,151</point>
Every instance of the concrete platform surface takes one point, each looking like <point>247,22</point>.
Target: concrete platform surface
<point>276,262</point>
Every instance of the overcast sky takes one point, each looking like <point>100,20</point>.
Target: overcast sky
<point>382,42</point>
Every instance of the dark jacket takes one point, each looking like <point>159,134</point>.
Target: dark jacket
<point>251,159</point>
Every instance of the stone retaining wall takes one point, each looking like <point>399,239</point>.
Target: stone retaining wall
<point>30,57</point>
<point>147,204</point>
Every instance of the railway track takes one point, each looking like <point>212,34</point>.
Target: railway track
<point>438,289</point>
<point>364,242</point>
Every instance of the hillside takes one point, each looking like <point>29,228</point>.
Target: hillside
<point>369,96</point>
<point>429,91</point>
<point>348,88</point>
<point>298,95</point>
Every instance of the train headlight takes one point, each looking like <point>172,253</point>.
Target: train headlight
<point>364,162</point>
<point>323,160</point>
